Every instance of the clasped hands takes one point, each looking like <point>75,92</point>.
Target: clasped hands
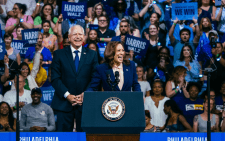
<point>75,100</point>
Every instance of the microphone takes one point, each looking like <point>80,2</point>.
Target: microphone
<point>117,74</point>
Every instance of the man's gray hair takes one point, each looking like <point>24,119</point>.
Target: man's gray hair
<point>74,27</point>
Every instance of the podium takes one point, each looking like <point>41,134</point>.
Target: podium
<point>98,127</point>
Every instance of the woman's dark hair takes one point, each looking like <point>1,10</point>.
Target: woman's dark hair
<point>23,7</point>
<point>110,53</point>
<point>156,25</point>
<point>182,54</point>
<point>42,13</point>
<point>46,21</point>
<point>24,64</point>
<point>158,81</point>
<point>147,114</point>
<point>6,35</point>
<point>168,51</point>
<point>10,116</point>
<point>19,26</point>
<point>157,14</point>
<point>196,84</point>
<point>115,4</point>
<point>174,107</point>
<point>88,40</point>
<point>97,50</point>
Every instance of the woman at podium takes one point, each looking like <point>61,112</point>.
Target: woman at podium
<point>116,73</point>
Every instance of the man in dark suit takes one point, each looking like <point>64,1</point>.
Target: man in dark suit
<point>72,70</point>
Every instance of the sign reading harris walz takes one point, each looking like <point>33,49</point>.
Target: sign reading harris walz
<point>74,10</point>
<point>185,11</point>
<point>138,45</point>
<point>30,35</point>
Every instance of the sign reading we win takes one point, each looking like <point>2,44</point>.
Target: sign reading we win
<point>185,11</point>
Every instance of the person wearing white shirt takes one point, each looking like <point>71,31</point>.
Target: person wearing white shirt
<point>155,104</point>
<point>24,96</point>
<point>31,5</point>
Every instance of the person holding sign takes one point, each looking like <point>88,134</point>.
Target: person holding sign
<point>184,35</point>
<point>12,53</point>
<point>70,83</point>
<point>46,14</point>
<point>47,56</point>
<point>124,30</point>
<point>19,18</point>
<point>115,61</point>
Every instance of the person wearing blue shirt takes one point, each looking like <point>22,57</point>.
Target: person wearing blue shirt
<point>193,105</point>
<point>47,56</point>
<point>187,60</point>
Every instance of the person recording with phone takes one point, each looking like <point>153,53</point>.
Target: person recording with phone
<point>115,69</point>
<point>187,60</point>
<point>217,63</point>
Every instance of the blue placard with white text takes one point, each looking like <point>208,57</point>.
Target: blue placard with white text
<point>30,35</point>
<point>217,2</point>
<point>181,136</point>
<point>185,11</point>
<point>44,136</point>
<point>20,45</point>
<point>71,10</point>
<point>0,34</point>
<point>138,45</point>
<point>47,94</point>
<point>2,51</point>
<point>93,26</point>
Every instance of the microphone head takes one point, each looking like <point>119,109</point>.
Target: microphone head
<point>117,74</point>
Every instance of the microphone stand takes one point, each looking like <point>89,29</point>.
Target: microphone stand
<point>17,109</point>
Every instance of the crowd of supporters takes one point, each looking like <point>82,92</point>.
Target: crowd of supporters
<point>171,74</point>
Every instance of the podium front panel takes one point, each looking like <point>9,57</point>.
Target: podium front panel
<point>93,121</point>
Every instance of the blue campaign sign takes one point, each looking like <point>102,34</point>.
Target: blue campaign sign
<point>2,51</point>
<point>30,35</point>
<point>138,45</point>
<point>20,45</point>
<point>181,136</point>
<point>47,94</point>
<point>44,136</point>
<point>93,26</point>
<point>185,11</point>
<point>0,34</point>
<point>217,2</point>
<point>74,10</point>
